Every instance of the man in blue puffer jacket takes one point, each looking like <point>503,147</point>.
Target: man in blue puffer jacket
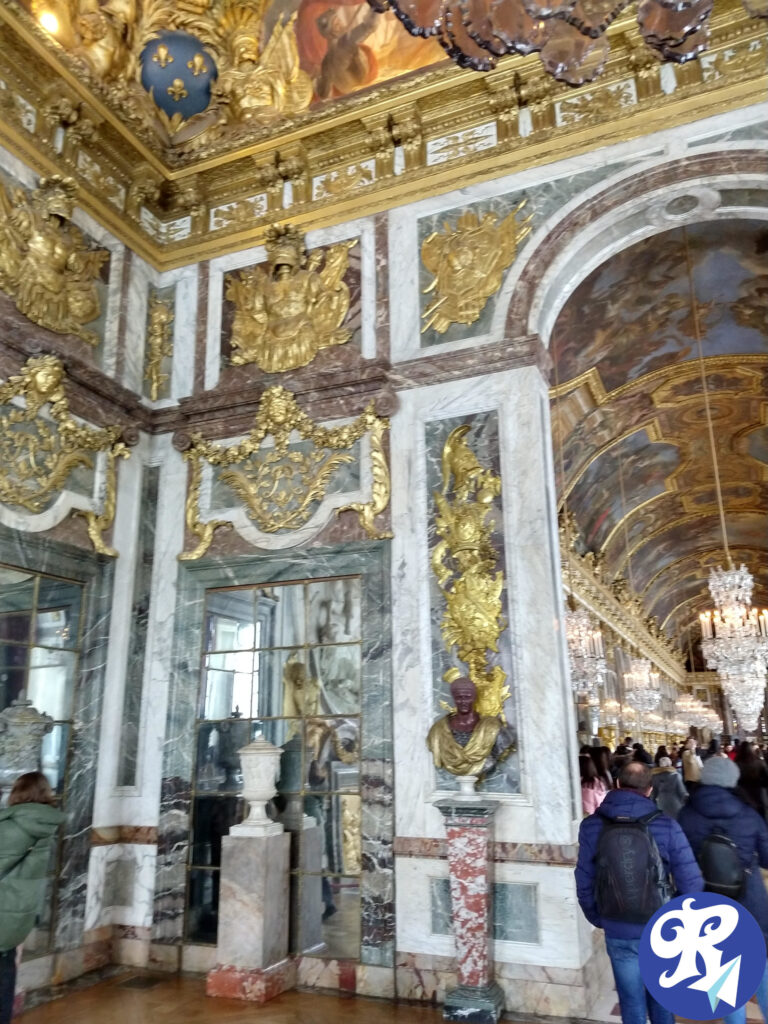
<point>621,938</point>
<point>716,805</point>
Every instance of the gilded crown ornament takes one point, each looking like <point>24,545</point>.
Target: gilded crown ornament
<point>285,314</point>
<point>38,453</point>
<point>46,266</point>
<point>280,486</point>
<point>464,562</point>
<point>468,263</point>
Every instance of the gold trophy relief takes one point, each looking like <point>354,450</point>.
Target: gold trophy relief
<point>289,309</point>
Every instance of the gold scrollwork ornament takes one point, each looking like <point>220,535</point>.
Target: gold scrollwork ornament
<point>468,264</point>
<point>280,486</point>
<point>286,314</point>
<point>464,562</point>
<point>159,345</point>
<point>45,263</point>
<point>38,453</point>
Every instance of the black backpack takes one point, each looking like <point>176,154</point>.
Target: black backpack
<point>721,865</point>
<point>631,882</point>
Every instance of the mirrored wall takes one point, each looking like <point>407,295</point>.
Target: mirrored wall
<point>284,662</point>
<point>40,627</point>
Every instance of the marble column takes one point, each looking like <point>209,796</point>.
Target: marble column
<point>469,829</point>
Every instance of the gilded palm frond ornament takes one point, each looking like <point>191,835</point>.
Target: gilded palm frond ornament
<point>464,562</point>
<point>290,310</point>
<point>280,485</point>
<point>39,452</point>
<point>46,265</point>
<point>468,263</point>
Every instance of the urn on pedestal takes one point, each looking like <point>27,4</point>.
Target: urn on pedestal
<point>260,762</point>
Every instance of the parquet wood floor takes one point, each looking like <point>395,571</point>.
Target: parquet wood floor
<point>177,1000</point>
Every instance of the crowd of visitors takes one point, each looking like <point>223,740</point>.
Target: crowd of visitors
<point>666,809</point>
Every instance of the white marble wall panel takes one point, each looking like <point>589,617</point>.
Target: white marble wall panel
<point>544,810</point>
<point>646,152</point>
<point>559,942</point>
<point>123,872</point>
<point>139,804</point>
<point>184,280</point>
<point>220,267</point>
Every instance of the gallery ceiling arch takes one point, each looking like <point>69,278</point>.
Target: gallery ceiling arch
<point>632,453</point>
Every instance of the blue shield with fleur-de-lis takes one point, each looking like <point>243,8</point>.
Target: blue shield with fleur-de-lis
<point>178,72</point>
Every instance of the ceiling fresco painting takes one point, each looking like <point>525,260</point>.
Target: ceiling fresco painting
<point>633,314</point>
<point>596,501</point>
<point>629,386</point>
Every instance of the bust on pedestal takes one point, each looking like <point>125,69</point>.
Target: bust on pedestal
<point>469,746</point>
<point>252,951</point>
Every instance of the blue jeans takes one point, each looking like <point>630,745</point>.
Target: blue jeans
<point>637,1004</point>
<point>740,1016</point>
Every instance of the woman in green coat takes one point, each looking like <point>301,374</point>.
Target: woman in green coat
<point>28,827</point>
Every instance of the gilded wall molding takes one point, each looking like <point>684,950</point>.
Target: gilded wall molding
<point>42,446</point>
<point>280,486</point>
<point>446,128</point>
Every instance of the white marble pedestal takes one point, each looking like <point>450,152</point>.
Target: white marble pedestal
<point>252,952</point>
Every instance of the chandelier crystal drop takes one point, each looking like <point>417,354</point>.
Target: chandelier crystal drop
<point>734,642</point>
<point>641,686</point>
<point>585,652</point>
<point>568,35</point>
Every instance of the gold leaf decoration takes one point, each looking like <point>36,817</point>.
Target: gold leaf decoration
<point>38,453</point>
<point>280,486</point>
<point>468,264</point>
<point>464,562</point>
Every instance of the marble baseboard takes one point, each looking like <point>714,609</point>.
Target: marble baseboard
<point>529,990</point>
<point>251,984</point>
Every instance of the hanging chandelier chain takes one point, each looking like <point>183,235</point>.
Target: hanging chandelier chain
<point>705,391</point>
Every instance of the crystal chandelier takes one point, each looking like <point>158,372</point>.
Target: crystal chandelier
<point>568,35</point>
<point>641,686</point>
<point>585,652</point>
<point>735,642</point>
<point>610,711</point>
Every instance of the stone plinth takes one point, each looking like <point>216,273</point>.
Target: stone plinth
<point>253,918</point>
<point>469,830</point>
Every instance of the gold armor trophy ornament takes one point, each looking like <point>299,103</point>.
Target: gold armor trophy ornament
<point>286,314</point>
<point>471,740</point>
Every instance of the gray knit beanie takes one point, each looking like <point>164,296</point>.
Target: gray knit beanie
<point>720,771</point>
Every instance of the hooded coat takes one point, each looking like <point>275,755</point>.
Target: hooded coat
<point>674,848</point>
<point>713,807</point>
<point>668,790</point>
<point>27,833</point>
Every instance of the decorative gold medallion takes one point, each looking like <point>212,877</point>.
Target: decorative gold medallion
<point>464,562</point>
<point>468,264</point>
<point>286,314</point>
<point>281,485</point>
<point>45,263</point>
<point>38,453</point>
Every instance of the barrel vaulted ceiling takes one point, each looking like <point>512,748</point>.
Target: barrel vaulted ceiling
<point>628,413</point>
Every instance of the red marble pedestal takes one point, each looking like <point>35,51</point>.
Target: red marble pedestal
<point>469,828</point>
<point>254,984</point>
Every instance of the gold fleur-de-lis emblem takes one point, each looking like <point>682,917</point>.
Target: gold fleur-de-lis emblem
<point>197,65</point>
<point>163,56</point>
<point>177,91</point>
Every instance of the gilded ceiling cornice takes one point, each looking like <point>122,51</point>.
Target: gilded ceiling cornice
<point>172,213</point>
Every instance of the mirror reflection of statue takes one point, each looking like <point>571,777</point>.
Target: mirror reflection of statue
<point>466,743</point>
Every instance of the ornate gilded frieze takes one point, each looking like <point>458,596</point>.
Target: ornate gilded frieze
<point>467,262</point>
<point>464,562</point>
<point>42,446</point>
<point>159,344</point>
<point>185,190</point>
<point>281,485</point>
<point>46,265</point>
<point>290,310</point>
